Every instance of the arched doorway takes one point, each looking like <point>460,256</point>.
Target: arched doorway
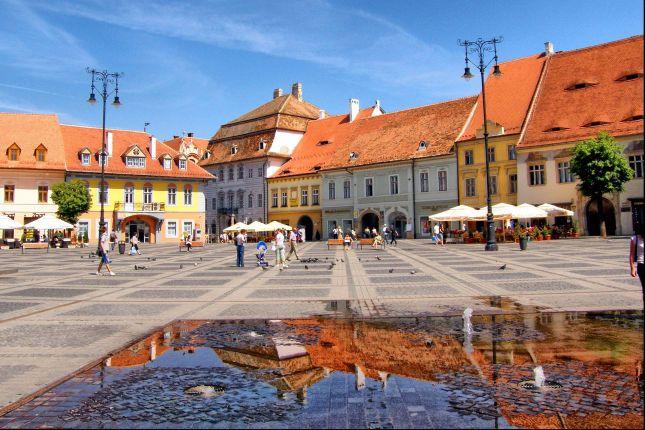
<point>593,220</point>
<point>141,226</point>
<point>399,221</point>
<point>308,224</point>
<point>370,219</point>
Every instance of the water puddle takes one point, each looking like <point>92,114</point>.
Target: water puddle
<point>535,370</point>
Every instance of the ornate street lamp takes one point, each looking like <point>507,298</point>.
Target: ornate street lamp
<point>479,47</point>
<point>103,78</point>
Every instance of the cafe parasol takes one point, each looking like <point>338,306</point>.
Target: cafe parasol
<point>458,213</point>
<point>236,227</point>
<point>49,222</point>
<point>553,210</point>
<point>7,223</point>
<point>275,225</point>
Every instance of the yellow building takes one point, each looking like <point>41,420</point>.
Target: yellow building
<point>508,98</point>
<point>150,190</point>
<point>295,201</point>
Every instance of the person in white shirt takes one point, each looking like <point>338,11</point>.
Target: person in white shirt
<point>435,231</point>
<point>293,242</point>
<point>240,240</point>
<point>279,250</point>
<point>637,255</point>
<point>104,248</point>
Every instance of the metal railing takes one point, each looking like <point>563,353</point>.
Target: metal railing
<point>140,207</point>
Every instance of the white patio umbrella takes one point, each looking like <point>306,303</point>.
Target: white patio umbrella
<point>500,211</point>
<point>458,213</point>
<point>553,210</point>
<point>257,226</point>
<point>526,211</point>
<point>275,225</point>
<point>49,222</point>
<point>7,223</point>
<point>236,227</point>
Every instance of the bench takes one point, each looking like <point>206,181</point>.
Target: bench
<point>334,242</point>
<point>194,244</point>
<point>36,245</point>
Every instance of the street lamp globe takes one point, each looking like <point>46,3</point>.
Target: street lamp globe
<point>467,75</point>
<point>496,71</point>
<point>116,103</point>
<point>92,99</point>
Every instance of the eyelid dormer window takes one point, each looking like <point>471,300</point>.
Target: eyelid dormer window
<point>581,85</point>
<point>233,149</point>
<point>423,145</point>
<point>630,77</point>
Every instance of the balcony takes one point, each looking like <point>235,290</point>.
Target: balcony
<point>140,207</point>
<point>227,211</point>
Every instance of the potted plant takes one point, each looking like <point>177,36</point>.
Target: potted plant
<point>523,237</point>
<point>86,238</point>
<point>547,233</point>
<point>574,229</point>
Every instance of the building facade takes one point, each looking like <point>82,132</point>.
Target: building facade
<point>247,150</point>
<point>150,190</point>
<point>583,92</point>
<point>31,162</point>
<point>192,147</point>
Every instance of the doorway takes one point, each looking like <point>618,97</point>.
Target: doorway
<point>399,221</point>
<point>593,220</point>
<point>308,224</point>
<point>139,229</point>
<point>370,220</point>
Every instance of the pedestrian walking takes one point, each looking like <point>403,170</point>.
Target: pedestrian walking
<point>293,243</point>
<point>394,233</point>
<point>441,235</point>
<point>113,240</point>
<point>240,240</point>
<point>435,234</point>
<point>134,245</point>
<point>279,250</point>
<point>104,249</point>
<point>347,241</point>
<point>637,255</point>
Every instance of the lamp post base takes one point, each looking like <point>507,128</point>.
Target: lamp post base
<point>491,246</point>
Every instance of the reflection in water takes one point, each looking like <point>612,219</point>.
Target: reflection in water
<point>418,372</point>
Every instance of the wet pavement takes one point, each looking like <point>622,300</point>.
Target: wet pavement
<point>344,371</point>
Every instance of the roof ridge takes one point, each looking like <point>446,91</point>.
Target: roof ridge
<point>600,45</point>
<point>423,106</point>
<point>107,129</point>
<point>29,113</point>
<point>284,103</point>
<point>534,100</point>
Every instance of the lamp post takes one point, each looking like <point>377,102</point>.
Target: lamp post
<point>102,79</point>
<point>479,47</point>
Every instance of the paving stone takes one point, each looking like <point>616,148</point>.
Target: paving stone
<point>6,307</point>
<point>502,275</point>
<point>55,336</point>
<point>290,293</point>
<point>48,292</point>
<point>166,294</point>
<point>119,309</point>
<point>540,286</point>
<point>402,279</point>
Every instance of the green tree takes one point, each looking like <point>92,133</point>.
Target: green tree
<point>601,168</point>
<point>72,199</point>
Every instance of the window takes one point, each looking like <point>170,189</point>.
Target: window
<point>347,193</point>
<point>394,184</point>
<point>182,164</point>
<point>512,184</point>
<point>9,191</point>
<point>468,157</point>
<point>171,229</point>
<point>261,144</point>
<point>250,200</point>
<point>630,77</point>
<point>423,145</point>
<point>442,177</point>
<point>128,194</point>
<point>240,200</point>
<point>425,186</point>
<point>314,197</point>
<point>240,172</point>
<point>138,162</point>
<point>580,85</point>
<point>564,172</point>
<point>493,185</point>
<point>512,155</point>
<point>188,227</point>
<point>220,175</point>
<point>188,195</point>
<point>13,154</point>
<point>369,187</point>
<point>213,203</point>
<point>304,198</point>
<point>250,174</point>
<point>283,203</point>
<point>470,187</point>
<point>536,174</point>
<point>230,174</point>
<point>491,154</point>
<point>103,192</point>
<point>274,200</point>
<point>83,228</point>
<point>220,199</point>
<point>85,159</point>
<point>636,164</point>
<point>147,194</point>
<point>42,194</point>
<point>167,164</point>
<point>332,191</point>
<point>230,200</point>
<point>260,172</point>
<point>172,196</point>
<point>233,149</point>
<point>260,201</point>
<point>40,154</point>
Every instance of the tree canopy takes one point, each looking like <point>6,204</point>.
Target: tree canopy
<point>72,199</point>
<point>600,166</point>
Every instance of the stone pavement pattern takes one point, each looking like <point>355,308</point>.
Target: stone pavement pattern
<point>55,316</point>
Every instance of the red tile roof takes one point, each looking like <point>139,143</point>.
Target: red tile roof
<point>608,100</point>
<point>29,131</point>
<point>76,138</point>
<point>509,96</point>
<point>175,143</point>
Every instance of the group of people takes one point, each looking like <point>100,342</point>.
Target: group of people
<point>292,238</point>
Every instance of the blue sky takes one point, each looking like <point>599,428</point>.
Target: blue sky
<point>191,66</point>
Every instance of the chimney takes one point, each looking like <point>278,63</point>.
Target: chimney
<point>296,91</point>
<point>153,147</point>
<point>108,143</point>
<point>175,136</point>
<point>353,109</point>
<point>548,48</point>
<point>277,93</point>
<point>322,114</point>
<point>191,134</point>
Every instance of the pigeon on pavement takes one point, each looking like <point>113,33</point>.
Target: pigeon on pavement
<point>412,272</point>
<point>378,258</point>
<point>503,267</point>
<point>306,267</point>
<point>391,270</point>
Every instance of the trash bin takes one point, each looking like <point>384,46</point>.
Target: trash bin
<point>66,242</point>
<point>121,247</point>
<point>524,241</point>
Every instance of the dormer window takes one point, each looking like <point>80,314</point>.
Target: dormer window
<point>85,159</point>
<point>581,85</point>
<point>103,158</point>
<point>13,152</point>
<point>286,171</point>
<point>167,163</point>
<point>41,153</point>
<point>423,145</point>
<point>556,128</point>
<point>353,155</point>
<point>316,168</point>
<point>595,123</point>
<point>182,164</point>
<point>633,118</point>
<point>261,144</point>
<point>630,77</point>
<point>233,149</point>
<point>136,162</point>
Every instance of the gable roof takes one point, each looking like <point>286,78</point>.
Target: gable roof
<point>609,100</point>
<point>76,138</point>
<point>28,132</point>
<point>176,142</point>
<point>508,97</point>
